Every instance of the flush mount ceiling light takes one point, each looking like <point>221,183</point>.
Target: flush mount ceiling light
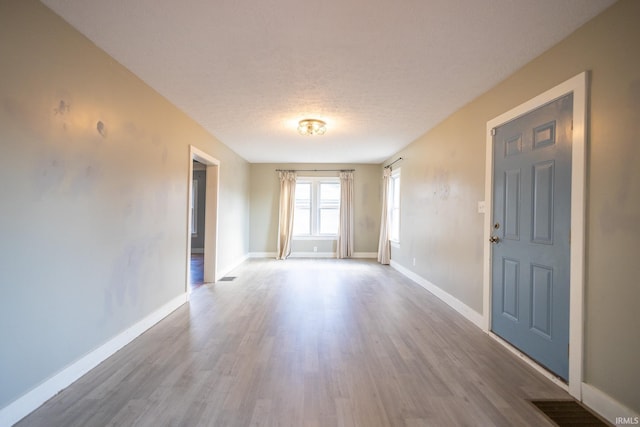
<point>311,127</point>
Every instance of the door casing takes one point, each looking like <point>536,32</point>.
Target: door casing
<point>577,85</point>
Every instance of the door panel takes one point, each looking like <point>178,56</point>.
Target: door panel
<point>511,269</point>
<point>541,294</point>
<point>512,204</point>
<point>531,208</point>
<point>542,215</point>
<point>544,135</point>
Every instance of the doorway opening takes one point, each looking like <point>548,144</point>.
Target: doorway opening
<point>198,226</point>
<point>202,219</point>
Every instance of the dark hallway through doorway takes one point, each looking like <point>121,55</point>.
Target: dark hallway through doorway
<point>197,270</point>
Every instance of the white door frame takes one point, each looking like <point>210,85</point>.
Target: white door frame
<point>578,86</point>
<point>210,216</point>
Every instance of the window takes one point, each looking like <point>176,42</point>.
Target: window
<point>317,207</point>
<point>194,207</point>
<point>394,206</point>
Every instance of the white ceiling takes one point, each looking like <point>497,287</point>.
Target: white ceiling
<point>379,72</point>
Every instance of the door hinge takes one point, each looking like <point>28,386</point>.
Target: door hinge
<point>493,131</point>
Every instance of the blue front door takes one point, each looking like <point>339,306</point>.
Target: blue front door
<point>531,233</point>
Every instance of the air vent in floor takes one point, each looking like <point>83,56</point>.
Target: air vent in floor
<point>568,413</point>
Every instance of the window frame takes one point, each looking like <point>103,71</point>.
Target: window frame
<point>315,207</point>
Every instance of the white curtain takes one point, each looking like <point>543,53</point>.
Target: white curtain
<point>287,206</point>
<point>345,233</point>
<point>384,250</point>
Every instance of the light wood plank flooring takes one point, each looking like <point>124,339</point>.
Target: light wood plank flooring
<point>307,343</point>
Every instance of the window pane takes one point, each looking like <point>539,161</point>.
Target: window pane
<point>329,193</point>
<point>302,221</point>
<point>329,221</point>
<point>302,212</point>
<point>396,193</point>
<point>303,191</point>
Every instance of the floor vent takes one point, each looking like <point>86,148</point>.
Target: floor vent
<point>568,413</point>
<point>228,279</point>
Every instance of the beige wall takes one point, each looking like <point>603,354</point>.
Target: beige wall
<point>265,193</point>
<point>443,179</point>
<point>93,226</point>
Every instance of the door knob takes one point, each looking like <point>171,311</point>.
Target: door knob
<point>494,239</point>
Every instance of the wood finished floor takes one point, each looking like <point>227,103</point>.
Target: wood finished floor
<point>307,343</point>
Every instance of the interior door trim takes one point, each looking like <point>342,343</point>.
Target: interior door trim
<point>577,85</point>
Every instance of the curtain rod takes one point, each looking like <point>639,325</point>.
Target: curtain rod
<point>393,163</point>
<point>315,170</point>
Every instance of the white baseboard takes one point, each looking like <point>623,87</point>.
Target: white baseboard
<point>608,407</point>
<point>233,266</point>
<point>30,401</point>
<point>472,315</point>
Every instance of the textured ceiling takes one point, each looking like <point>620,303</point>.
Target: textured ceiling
<point>379,72</point>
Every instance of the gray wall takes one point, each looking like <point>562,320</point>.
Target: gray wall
<point>93,229</point>
<point>443,179</point>
<point>265,194</point>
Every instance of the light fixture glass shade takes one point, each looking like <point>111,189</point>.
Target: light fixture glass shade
<point>312,127</point>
